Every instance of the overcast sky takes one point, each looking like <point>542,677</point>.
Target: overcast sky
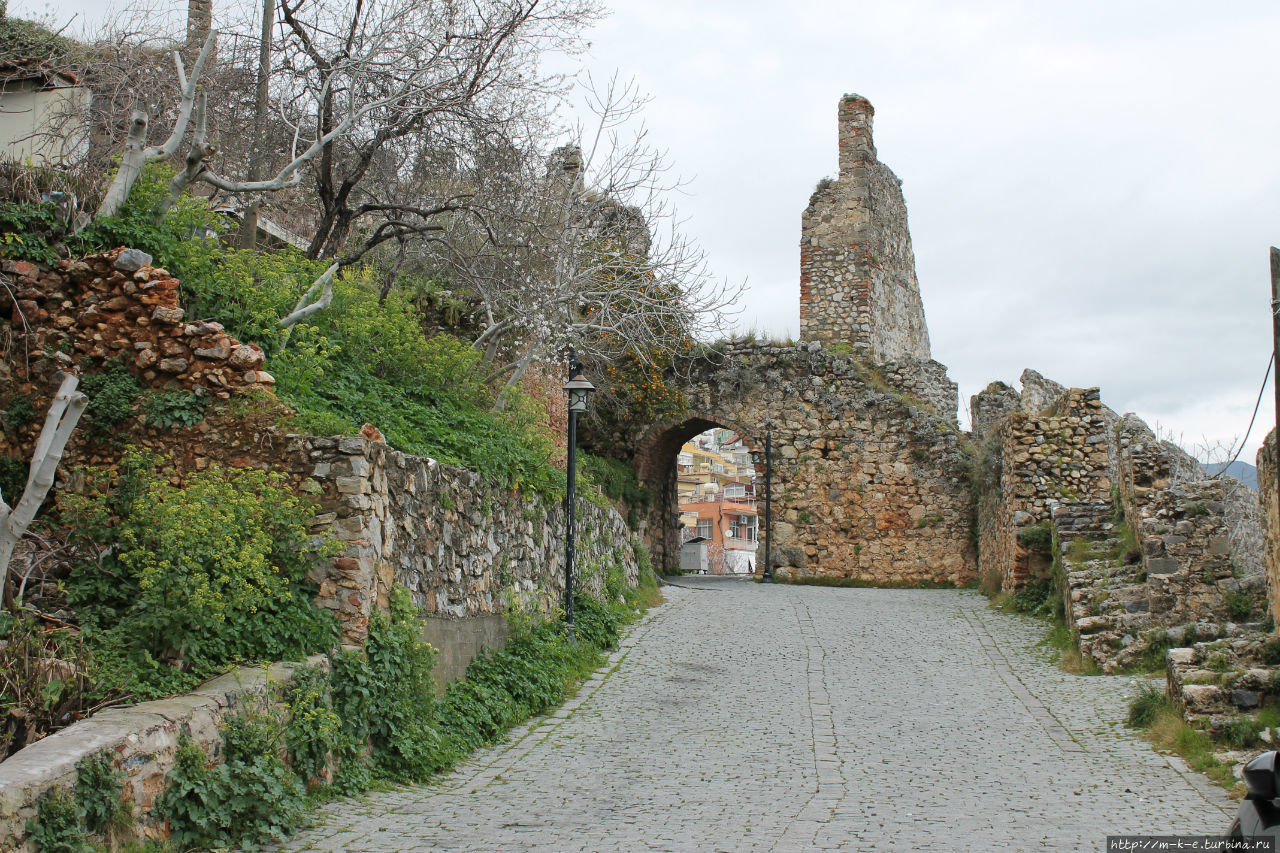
<point>1092,186</point>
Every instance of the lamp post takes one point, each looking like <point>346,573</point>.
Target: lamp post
<point>766,456</point>
<point>579,391</point>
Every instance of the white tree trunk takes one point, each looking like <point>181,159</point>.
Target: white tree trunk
<point>136,154</point>
<point>64,413</point>
<point>305,307</point>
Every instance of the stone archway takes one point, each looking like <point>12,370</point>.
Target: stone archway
<point>869,473</point>
<point>867,462</point>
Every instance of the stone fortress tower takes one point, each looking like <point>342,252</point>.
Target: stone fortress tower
<point>857,270</point>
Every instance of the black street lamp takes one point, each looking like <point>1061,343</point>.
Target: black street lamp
<point>766,456</point>
<point>579,391</point>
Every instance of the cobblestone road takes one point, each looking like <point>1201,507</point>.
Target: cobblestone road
<point>749,717</point>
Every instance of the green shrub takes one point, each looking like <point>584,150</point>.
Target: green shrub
<point>1034,597</point>
<point>112,392</point>
<point>100,793</point>
<point>30,232</point>
<point>1271,652</point>
<point>19,414</point>
<point>313,728</point>
<point>386,696</point>
<point>1037,538</point>
<point>13,477</point>
<point>168,409</point>
<point>616,478</point>
<point>210,556</point>
<point>194,578</point>
<point>1242,732</point>
<point>1195,508</point>
<point>1239,605</point>
<point>1145,706</point>
<point>248,800</point>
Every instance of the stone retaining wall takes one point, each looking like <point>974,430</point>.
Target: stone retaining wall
<point>462,544</point>
<point>142,740</point>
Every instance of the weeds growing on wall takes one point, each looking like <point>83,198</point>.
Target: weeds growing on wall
<point>94,811</point>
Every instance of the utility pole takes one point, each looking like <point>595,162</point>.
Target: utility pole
<point>1275,344</point>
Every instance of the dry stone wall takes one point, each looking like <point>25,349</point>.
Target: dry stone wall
<point>116,304</point>
<point>858,285</point>
<point>463,545</point>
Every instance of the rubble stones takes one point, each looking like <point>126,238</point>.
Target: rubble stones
<point>115,304</point>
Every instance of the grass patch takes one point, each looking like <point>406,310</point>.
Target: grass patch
<point>1161,723</point>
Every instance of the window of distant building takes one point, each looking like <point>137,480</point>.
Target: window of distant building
<point>735,490</point>
<point>704,528</point>
<point>742,527</point>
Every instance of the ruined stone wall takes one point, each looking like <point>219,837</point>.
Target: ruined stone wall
<point>117,305</point>
<point>867,475</point>
<point>858,283</point>
<point>990,407</point>
<point>1034,463</point>
<point>1181,578</point>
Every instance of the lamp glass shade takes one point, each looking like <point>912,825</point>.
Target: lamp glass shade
<point>579,391</point>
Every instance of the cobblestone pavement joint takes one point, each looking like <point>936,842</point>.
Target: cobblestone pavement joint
<point>740,716</point>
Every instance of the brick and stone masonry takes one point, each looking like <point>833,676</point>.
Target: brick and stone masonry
<point>858,282</point>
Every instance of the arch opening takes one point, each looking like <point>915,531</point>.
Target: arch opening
<point>704,516</point>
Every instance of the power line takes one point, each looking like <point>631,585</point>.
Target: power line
<point>1270,363</point>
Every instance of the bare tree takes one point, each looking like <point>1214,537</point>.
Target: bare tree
<point>470,72</point>
<point>366,89</point>
<point>136,151</point>
<point>586,251</point>
<point>64,413</point>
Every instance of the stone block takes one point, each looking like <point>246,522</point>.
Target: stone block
<point>132,260</point>
<point>168,316</point>
<point>1245,700</point>
<point>1200,697</point>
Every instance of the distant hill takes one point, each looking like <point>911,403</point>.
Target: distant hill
<point>1242,471</point>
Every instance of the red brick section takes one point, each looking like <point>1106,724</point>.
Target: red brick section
<point>89,309</point>
<point>856,146</point>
